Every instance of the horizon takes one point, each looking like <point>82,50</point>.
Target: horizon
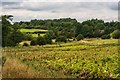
<point>65,18</point>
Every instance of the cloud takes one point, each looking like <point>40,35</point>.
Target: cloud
<point>47,6</point>
<point>60,0</point>
<point>49,10</point>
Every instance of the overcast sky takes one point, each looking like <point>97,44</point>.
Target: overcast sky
<point>28,9</point>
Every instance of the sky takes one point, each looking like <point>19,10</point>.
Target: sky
<point>25,10</point>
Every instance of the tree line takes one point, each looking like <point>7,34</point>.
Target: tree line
<point>71,27</point>
<point>59,29</point>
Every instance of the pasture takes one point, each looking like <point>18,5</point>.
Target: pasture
<point>89,58</point>
<point>32,32</point>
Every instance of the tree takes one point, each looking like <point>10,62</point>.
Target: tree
<point>6,30</point>
<point>86,31</point>
<point>100,26</point>
<point>33,42</point>
<point>51,34</point>
<point>23,25</point>
<point>41,40</point>
<point>61,39</point>
<point>48,39</point>
<point>11,35</point>
<point>106,36</point>
<point>78,28</point>
<point>79,37</point>
<point>116,34</point>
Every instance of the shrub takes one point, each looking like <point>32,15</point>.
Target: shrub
<point>25,44</point>
<point>28,37</point>
<point>79,37</point>
<point>33,42</point>
<point>15,38</point>
<point>51,34</point>
<point>61,39</point>
<point>106,36</point>
<point>116,34</point>
<point>48,39</point>
<point>41,40</point>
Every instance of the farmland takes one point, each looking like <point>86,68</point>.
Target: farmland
<point>88,58</point>
<point>31,31</point>
<point>65,48</point>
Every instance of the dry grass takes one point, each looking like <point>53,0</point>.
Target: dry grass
<point>15,69</point>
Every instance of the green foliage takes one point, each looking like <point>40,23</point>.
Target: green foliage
<point>51,34</point>
<point>25,44</point>
<point>28,37</point>
<point>41,40</point>
<point>79,37</point>
<point>33,42</point>
<point>48,39</point>
<point>86,60</point>
<point>106,36</point>
<point>6,31</point>
<point>61,39</point>
<point>78,28</point>
<point>11,35</point>
<point>17,37</point>
<point>116,34</point>
<point>71,27</point>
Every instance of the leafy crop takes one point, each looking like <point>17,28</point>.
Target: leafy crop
<point>83,59</point>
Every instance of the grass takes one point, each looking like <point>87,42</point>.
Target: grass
<point>19,71</point>
<point>79,59</point>
<point>36,35</point>
<point>32,30</point>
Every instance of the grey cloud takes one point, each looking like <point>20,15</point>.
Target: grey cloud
<point>11,5</point>
<point>113,6</point>
<point>59,6</point>
<point>70,9</point>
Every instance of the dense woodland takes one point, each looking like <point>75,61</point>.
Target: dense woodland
<point>65,28</point>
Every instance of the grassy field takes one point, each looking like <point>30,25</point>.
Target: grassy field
<point>34,30</point>
<point>36,35</point>
<point>82,59</point>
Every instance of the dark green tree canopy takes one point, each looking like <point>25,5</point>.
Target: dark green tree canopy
<point>11,35</point>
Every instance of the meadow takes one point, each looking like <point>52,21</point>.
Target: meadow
<point>88,58</point>
<point>31,31</point>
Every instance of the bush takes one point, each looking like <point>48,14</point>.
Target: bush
<point>48,39</point>
<point>79,37</point>
<point>51,34</point>
<point>106,36</point>
<point>41,40</point>
<point>61,39</point>
<point>28,37</point>
<point>33,42</point>
<point>25,44</point>
<point>16,37</point>
<point>116,34</point>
